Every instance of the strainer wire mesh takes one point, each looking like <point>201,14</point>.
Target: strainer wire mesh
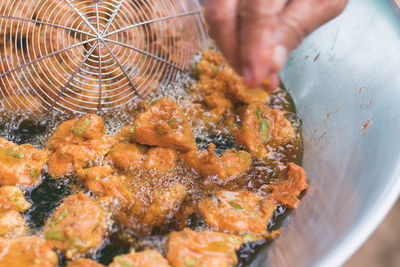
<point>90,56</point>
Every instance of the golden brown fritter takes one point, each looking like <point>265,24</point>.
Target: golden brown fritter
<point>77,226</point>
<point>20,164</point>
<point>152,209</point>
<point>262,126</point>
<point>12,224</point>
<point>237,212</point>
<point>77,142</point>
<point>236,90</point>
<point>163,124</point>
<point>287,191</point>
<point>214,103</point>
<point>12,202</point>
<point>61,133</point>
<point>127,156</point>
<point>165,203</point>
<point>161,160</point>
<point>26,251</point>
<point>134,208</point>
<point>12,198</point>
<point>146,258</point>
<point>207,248</point>
<point>230,164</point>
<point>107,186</point>
<point>72,157</point>
<point>216,75</point>
<point>84,263</point>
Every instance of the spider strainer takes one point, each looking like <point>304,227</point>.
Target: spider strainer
<point>93,55</point>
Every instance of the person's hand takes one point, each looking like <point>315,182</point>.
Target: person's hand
<point>256,36</point>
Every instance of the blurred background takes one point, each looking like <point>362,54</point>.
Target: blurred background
<point>383,246</point>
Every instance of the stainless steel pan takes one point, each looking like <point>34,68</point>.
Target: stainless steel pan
<point>345,80</point>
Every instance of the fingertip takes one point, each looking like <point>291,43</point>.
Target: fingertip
<point>252,78</point>
<point>270,83</point>
<point>279,58</point>
<point>274,81</point>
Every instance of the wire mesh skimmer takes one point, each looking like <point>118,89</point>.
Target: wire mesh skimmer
<point>93,55</point>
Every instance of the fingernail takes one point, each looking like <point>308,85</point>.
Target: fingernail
<point>280,56</point>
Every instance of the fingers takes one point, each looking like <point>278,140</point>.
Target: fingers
<point>301,17</point>
<point>259,55</point>
<point>222,17</point>
<point>256,36</point>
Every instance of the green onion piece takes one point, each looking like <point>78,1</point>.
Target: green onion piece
<point>36,261</point>
<point>77,131</point>
<point>33,173</point>
<point>123,261</point>
<point>258,113</point>
<point>264,125</point>
<point>215,68</point>
<point>54,235</point>
<point>63,153</point>
<point>245,157</point>
<point>199,68</point>
<point>132,130</point>
<point>19,155</point>
<point>11,150</point>
<point>155,101</point>
<point>86,122</point>
<point>235,205</point>
<point>189,261</point>
<point>111,150</point>
<point>80,130</point>
<point>234,240</point>
<point>96,178</point>
<point>175,122</point>
<point>249,238</point>
<point>61,216</point>
<point>78,243</point>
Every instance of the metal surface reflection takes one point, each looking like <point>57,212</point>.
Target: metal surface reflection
<point>343,76</point>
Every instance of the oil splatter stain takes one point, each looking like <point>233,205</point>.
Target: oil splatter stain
<point>317,56</point>
<point>364,127</point>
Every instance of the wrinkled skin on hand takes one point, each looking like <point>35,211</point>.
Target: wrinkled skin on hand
<point>256,36</point>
